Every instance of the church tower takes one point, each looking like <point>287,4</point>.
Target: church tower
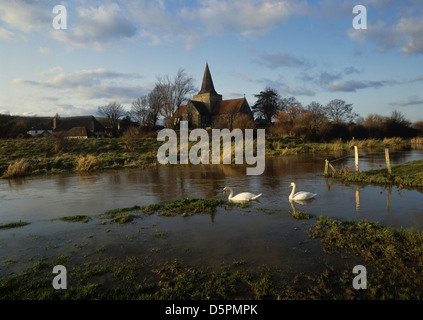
<point>208,94</point>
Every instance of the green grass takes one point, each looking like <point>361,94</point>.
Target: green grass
<point>122,215</point>
<point>20,157</point>
<point>76,218</point>
<point>393,258</point>
<point>394,254</point>
<point>301,215</point>
<point>23,157</point>
<point>184,207</point>
<point>409,174</point>
<point>12,225</point>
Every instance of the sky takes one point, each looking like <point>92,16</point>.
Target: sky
<point>116,50</point>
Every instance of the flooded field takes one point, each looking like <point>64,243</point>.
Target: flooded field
<point>264,233</point>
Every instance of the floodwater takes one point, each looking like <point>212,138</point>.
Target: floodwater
<point>249,234</point>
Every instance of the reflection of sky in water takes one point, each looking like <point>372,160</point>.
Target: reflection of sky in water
<point>40,198</point>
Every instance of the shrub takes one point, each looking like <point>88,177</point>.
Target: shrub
<point>88,163</point>
<point>17,169</point>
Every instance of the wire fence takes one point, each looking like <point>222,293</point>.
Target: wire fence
<point>346,169</point>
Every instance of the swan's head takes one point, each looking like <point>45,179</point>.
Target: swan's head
<point>224,190</point>
<point>292,184</point>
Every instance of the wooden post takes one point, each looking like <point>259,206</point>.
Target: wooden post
<point>356,157</point>
<point>326,167</point>
<point>388,163</point>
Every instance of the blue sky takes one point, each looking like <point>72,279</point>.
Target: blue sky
<point>115,50</point>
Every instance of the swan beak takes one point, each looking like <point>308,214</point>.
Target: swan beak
<point>224,191</point>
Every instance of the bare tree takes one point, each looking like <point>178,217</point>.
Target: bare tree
<point>288,103</point>
<point>318,114</point>
<point>139,110</point>
<point>182,88</point>
<point>172,94</point>
<point>113,112</point>
<point>338,111</point>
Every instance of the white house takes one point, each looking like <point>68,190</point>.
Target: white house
<point>40,130</point>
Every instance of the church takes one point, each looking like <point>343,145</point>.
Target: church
<point>207,107</point>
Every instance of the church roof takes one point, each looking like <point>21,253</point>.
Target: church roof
<point>228,106</point>
<point>207,85</point>
<point>200,106</point>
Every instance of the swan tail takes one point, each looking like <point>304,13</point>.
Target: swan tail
<point>257,196</point>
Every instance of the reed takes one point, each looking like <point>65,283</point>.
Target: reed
<point>19,168</point>
<point>416,140</point>
<point>88,164</point>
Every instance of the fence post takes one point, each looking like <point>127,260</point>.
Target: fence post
<point>326,167</point>
<point>356,157</point>
<point>388,163</point>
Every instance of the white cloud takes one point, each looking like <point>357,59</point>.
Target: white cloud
<point>245,17</point>
<point>25,15</point>
<point>411,101</point>
<point>6,34</point>
<point>407,32</point>
<point>412,30</point>
<point>354,85</point>
<point>282,60</point>
<point>89,84</point>
<point>162,26</point>
<point>98,28</point>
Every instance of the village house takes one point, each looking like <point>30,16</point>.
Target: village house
<point>40,130</point>
<point>208,108</point>
<point>78,127</point>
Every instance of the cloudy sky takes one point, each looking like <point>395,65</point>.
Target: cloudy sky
<point>116,50</point>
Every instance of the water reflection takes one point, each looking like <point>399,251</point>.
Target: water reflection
<point>301,202</point>
<point>49,197</point>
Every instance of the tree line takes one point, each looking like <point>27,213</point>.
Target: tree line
<point>282,116</point>
<point>336,119</point>
<point>162,102</point>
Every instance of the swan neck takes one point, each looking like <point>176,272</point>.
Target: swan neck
<point>231,193</point>
<point>292,192</point>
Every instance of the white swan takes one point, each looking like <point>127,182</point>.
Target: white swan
<point>244,196</point>
<point>301,195</point>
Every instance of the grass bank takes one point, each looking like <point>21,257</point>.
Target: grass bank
<point>24,157</point>
<point>392,257</point>
<point>409,174</point>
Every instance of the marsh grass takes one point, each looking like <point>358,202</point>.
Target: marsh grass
<point>17,169</point>
<point>301,215</point>
<point>52,155</point>
<point>76,218</point>
<point>88,163</point>
<point>409,174</point>
<point>392,257</point>
<point>395,254</point>
<point>184,207</point>
<point>122,215</point>
<point>12,225</point>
